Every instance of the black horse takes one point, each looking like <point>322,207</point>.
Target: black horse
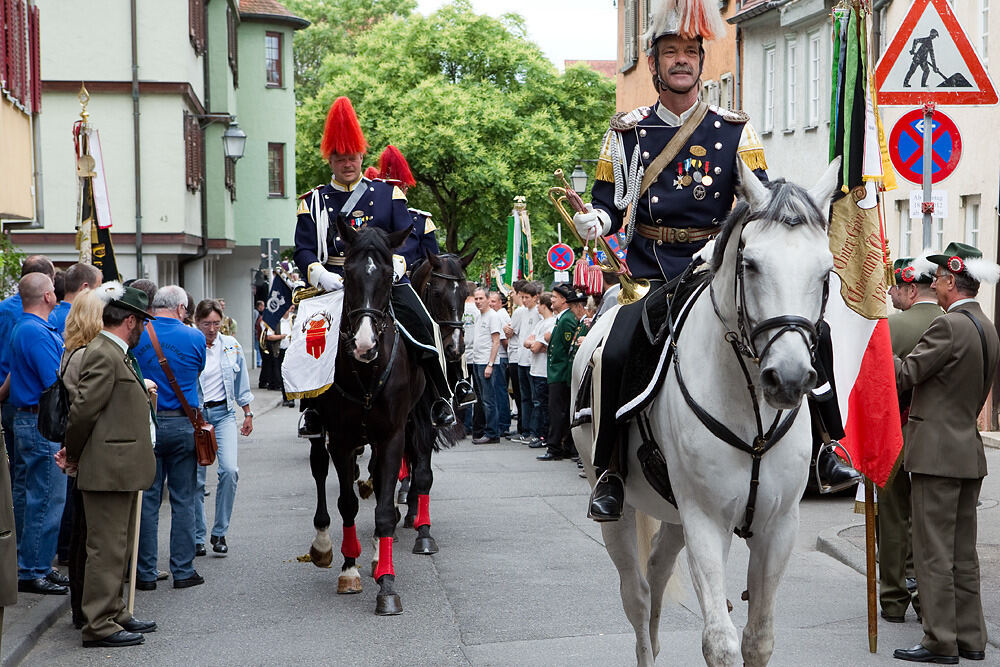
<point>440,282</point>
<point>377,386</point>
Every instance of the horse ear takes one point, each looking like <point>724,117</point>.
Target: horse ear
<point>468,259</point>
<point>433,259</point>
<point>751,189</point>
<point>346,231</point>
<point>398,237</point>
<point>826,186</point>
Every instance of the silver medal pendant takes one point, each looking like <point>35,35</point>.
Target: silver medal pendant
<point>699,192</point>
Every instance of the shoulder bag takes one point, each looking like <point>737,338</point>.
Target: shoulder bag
<point>53,406</point>
<point>205,446</point>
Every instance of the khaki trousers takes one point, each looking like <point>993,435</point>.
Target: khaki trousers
<point>110,515</point>
<point>947,565</point>
<point>895,551</point>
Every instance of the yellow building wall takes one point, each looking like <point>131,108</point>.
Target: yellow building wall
<point>15,163</point>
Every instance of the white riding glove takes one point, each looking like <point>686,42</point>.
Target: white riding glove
<point>329,281</point>
<point>593,223</point>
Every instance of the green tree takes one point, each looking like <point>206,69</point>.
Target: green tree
<point>334,25</point>
<point>478,111</point>
<point>11,259</point>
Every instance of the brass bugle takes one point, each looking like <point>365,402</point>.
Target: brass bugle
<point>632,289</point>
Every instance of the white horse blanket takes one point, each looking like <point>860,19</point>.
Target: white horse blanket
<point>310,360</point>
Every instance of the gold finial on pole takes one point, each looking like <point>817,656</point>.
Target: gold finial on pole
<point>520,203</point>
<point>84,98</point>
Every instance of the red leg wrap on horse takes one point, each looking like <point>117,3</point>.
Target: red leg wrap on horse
<point>350,547</point>
<point>384,558</point>
<point>423,511</point>
<point>404,472</point>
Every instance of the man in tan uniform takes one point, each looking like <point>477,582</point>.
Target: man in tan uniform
<point>109,439</point>
<point>950,370</point>
<point>912,295</point>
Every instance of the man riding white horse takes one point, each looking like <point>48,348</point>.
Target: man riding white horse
<point>319,250</point>
<point>674,166</point>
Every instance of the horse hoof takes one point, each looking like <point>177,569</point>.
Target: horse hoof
<point>388,605</point>
<point>408,521</point>
<point>348,585</point>
<point>425,546</point>
<point>365,488</point>
<point>320,558</point>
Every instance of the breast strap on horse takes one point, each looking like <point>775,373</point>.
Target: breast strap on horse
<point>371,392</point>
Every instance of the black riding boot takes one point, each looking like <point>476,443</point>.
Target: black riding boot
<point>465,395</point>
<point>310,423</point>
<point>608,497</point>
<point>834,475</point>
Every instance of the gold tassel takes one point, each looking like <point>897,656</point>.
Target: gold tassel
<point>605,171</point>
<point>754,158</point>
<point>308,394</point>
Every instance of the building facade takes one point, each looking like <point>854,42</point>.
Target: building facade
<point>164,88</point>
<point>20,103</point>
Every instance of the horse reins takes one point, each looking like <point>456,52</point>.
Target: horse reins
<point>743,347</point>
<point>454,324</point>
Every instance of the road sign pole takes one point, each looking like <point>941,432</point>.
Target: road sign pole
<point>928,206</point>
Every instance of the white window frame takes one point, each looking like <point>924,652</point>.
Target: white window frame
<point>815,73</point>
<point>938,234</point>
<point>726,91</point>
<point>768,101</point>
<point>971,205</point>
<point>791,80</point>
<point>905,227</point>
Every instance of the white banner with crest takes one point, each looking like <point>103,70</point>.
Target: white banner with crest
<point>310,359</point>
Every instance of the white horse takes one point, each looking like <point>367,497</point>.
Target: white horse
<point>769,280</point>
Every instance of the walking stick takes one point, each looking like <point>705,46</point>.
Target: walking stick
<point>135,551</point>
<point>870,564</point>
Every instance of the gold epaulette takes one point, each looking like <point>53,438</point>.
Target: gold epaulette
<point>750,149</point>
<point>605,168</point>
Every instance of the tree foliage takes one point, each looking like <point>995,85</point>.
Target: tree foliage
<point>479,112</point>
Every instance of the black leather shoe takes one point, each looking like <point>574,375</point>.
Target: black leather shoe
<point>57,577</point>
<point>120,638</point>
<point>834,474</point>
<point>310,424</point>
<point>142,627</point>
<point>219,545</point>
<point>141,585</point>
<point>607,499</point>
<point>550,456</point>
<point>486,441</point>
<point>972,655</point>
<point>40,586</point>
<point>465,395</point>
<point>199,550</point>
<point>442,414</point>
<point>894,619</point>
<point>919,654</point>
<point>195,580</point>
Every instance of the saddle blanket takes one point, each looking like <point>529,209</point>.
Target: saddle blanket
<point>311,357</point>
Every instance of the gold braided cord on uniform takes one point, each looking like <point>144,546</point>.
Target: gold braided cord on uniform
<point>753,157</point>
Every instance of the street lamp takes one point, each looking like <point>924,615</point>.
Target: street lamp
<point>234,141</point>
<point>578,178</point>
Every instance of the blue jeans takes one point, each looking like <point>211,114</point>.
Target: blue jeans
<point>499,381</point>
<point>224,421</point>
<point>176,465</point>
<point>540,405</point>
<point>527,418</point>
<point>488,400</point>
<point>7,410</point>
<point>44,494</point>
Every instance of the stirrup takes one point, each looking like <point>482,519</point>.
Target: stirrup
<point>832,447</point>
<point>304,432</point>
<point>464,387</point>
<point>606,477</point>
<point>449,416</point>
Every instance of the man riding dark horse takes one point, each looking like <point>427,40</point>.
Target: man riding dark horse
<point>319,249</point>
<point>674,166</point>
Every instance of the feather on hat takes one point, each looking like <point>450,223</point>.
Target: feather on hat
<point>687,18</point>
<point>392,166</point>
<point>342,133</point>
<point>110,291</point>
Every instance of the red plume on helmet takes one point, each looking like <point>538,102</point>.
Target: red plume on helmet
<point>342,133</point>
<point>371,173</point>
<point>392,166</point>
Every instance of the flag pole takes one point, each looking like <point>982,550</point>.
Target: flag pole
<point>870,565</point>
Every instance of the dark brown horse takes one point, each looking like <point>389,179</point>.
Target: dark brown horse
<point>440,282</point>
<point>377,385</point>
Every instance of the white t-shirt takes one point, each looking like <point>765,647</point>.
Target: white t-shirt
<point>211,378</point>
<point>486,325</point>
<point>531,318</point>
<point>469,316</point>
<point>540,360</point>
<point>504,319</point>
<point>514,340</point>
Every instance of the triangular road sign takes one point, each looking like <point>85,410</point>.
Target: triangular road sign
<point>930,59</point>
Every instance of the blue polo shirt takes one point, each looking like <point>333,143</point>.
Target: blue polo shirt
<point>184,348</point>
<point>11,311</point>
<point>35,353</point>
<point>58,316</point>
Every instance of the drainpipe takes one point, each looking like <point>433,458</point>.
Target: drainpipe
<point>738,86</point>
<point>139,271</point>
<point>203,247</point>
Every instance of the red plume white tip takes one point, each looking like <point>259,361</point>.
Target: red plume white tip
<point>342,133</point>
<point>392,166</point>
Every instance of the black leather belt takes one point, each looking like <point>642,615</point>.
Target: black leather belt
<point>214,404</point>
<point>29,408</point>
<point>677,234</point>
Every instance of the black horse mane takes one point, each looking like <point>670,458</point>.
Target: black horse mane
<point>368,240</point>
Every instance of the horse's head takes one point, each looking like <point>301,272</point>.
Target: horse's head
<point>771,264</point>
<point>367,285</point>
<point>440,282</point>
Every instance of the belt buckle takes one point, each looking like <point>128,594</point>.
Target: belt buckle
<point>681,236</point>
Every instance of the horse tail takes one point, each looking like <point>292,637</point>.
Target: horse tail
<point>646,528</point>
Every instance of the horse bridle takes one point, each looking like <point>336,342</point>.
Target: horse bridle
<point>454,324</point>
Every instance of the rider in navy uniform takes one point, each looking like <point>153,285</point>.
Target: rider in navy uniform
<point>679,211</point>
<point>319,250</point>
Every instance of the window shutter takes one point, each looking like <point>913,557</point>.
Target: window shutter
<point>3,44</point>
<point>630,38</point>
